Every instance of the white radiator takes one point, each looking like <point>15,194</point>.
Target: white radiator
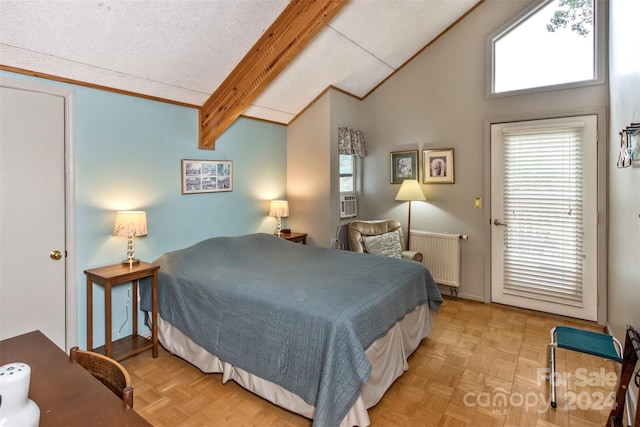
<point>440,254</point>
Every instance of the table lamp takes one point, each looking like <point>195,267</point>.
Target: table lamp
<point>279,209</point>
<point>130,223</point>
<point>410,191</point>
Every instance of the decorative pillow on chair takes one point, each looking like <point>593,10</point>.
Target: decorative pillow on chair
<point>387,244</point>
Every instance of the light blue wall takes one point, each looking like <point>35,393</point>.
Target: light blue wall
<point>128,153</point>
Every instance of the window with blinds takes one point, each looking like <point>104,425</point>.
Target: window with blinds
<point>543,211</point>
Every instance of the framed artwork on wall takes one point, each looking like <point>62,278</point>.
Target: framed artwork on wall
<point>206,176</point>
<point>438,166</point>
<point>404,165</point>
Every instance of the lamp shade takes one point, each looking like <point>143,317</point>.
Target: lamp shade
<point>411,191</point>
<point>130,223</point>
<point>279,208</point>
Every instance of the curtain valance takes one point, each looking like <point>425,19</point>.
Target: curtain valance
<point>351,142</point>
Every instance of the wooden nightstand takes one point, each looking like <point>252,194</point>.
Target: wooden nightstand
<point>295,237</point>
<point>118,274</point>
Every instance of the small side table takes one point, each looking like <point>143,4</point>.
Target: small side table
<point>295,237</point>
<point>108,277</point>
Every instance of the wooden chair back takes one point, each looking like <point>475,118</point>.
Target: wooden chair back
<point>110,373</point>
<point>630,358</point>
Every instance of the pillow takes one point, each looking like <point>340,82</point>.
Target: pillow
<point>387,244</point>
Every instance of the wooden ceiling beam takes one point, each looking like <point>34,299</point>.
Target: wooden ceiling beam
<point>296,26</point>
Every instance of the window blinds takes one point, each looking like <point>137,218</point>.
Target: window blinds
<point>543,211</point>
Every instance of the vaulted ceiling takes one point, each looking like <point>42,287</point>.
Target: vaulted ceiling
<point>184,51</point>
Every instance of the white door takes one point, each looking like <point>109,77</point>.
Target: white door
<point>32,214</point>
<point>544,215</point>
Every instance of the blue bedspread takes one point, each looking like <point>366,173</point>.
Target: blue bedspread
<point>298,316</point>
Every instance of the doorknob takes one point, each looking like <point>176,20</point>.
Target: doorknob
<point>55,255</point>
<point>499,222</point>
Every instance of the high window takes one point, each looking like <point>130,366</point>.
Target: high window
<point>554,45</point>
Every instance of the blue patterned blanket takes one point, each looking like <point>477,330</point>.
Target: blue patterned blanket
<point>298,316</point>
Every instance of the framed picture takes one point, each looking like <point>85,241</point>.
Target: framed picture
<point>438,166</point>
<point>404,165</point>
<point>206,176</point>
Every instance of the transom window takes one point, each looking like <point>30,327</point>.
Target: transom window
<point>553,45</point>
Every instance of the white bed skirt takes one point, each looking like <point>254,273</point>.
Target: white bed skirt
<point>388,357</point>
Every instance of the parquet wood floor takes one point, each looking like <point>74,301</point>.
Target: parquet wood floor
<point>483,365</point>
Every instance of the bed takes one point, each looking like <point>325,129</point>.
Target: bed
<point>317,331</point>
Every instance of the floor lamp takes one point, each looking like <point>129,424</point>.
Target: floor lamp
<point>410,191</point>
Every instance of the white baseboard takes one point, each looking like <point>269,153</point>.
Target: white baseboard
<point>446,294</point>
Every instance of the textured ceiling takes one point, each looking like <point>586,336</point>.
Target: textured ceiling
<point>182,50</point>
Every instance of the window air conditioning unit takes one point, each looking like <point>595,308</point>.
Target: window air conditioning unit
<point>348,206</point>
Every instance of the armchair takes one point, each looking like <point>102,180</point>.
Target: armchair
<point>359,231</point>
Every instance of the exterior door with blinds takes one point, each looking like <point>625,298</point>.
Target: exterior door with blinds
<point>544,215</point>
